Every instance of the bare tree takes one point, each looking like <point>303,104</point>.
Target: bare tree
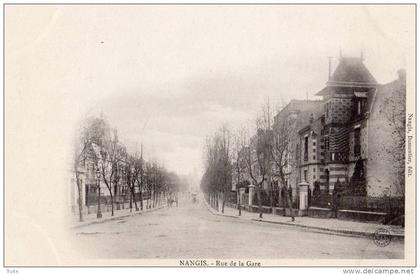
<point>92,131</point>
<point>131,173</point>
<point>79,157</point>
<point>217,178</point>
<point>110,166</point>
<point>225,156</point>
<point>258,162</point>
<point>281,152</point>
<point>258,153</point>
<point>139,166</point>
<point>239,163</point>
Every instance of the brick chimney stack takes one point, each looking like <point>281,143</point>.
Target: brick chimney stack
<point>401,75</point>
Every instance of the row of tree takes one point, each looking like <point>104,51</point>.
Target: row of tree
<point>265,157</point>
<point>102,157</point>
<point>271,153</point>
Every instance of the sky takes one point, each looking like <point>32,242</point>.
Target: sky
<point>168,76</point>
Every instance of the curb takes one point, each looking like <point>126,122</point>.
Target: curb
<point>217,213</point>
<point>341,231</point>
<point>114,218</point>
<point>332,231</point>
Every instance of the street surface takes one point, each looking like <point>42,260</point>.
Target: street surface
<point>191,231</point>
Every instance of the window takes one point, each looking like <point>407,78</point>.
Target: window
<point>305,155</point>
<point>314,170</point>
<point>327,105</point>
<point>305,174</point>
<point>357,145</point>
<point>327,143</point>
<point>314,143</point>
<point>314,177</point>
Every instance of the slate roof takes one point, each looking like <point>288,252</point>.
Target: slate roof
<point>304,110</point>
<point>350,72</point>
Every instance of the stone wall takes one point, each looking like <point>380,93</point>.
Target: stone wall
<point>363,141</point>
<point>340,109</point>
<point>381,170</point>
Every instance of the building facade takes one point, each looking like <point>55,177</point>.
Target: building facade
<point>296,114</point>
<point>347,143</point>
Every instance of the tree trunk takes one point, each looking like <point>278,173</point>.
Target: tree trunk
<point>238,201</point>
<point>214,201</point>
<point>79,199</point>
<point>223,202</point>
<point>279,201</point>
<point>131,202</point>
<point>141,200</point>
<point>135,201</point>
<point>259,202</point>
<point>289,202</point>
<point>271,194</point>
<point>112,204</point>
<point>133,196</point>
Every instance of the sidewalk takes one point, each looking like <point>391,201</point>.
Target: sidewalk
<point>334,226</point>
<point>106,216</point>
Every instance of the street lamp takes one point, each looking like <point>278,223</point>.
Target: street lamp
<point>98,182</point>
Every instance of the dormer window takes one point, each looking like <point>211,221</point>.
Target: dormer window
<point>360,106</point>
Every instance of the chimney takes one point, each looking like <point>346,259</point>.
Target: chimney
<point>329,67</point>
<point>311,118</point>
<point>401,75</point>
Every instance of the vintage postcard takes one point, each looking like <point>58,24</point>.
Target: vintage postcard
<point>210,135</point>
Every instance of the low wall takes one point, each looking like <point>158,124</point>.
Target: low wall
<point>353,215</point>
<point>319,212</point>
<point>366,216</point>
<point>255,209</point>
<point>288,212</point>
<point>325,213</point>
<point>279,211</point>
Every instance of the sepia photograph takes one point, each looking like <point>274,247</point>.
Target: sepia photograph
<point>209,135</point>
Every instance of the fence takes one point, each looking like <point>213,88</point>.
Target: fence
<point>393,207</point>
<point>92,198</point>
<point>321,199</point>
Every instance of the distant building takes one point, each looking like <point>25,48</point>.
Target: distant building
<point>298,113</point>
<point>90,179</point>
